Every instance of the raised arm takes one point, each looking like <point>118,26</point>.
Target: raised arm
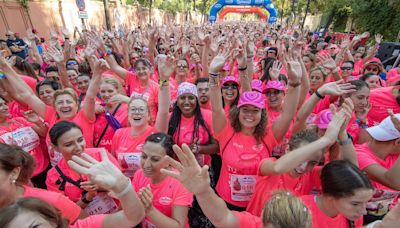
<point>60,60</point>
<point>89,104</point>
<point>218,114</point>
<point>165,68</point>
<point>245,80</point>
<point>106,176</point>
<point>197,180</point>
<point>289,107</point>
<point>330,64</point>
<point>294,158</point>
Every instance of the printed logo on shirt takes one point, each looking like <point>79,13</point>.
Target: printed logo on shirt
<point>165,200</point>
<point>235,144</point>
<point>258,147</point>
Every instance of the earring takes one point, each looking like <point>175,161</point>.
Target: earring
<point>13,181</point>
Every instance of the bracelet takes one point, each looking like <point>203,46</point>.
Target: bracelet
<point>294,84</point>
<point>363,124</point>
<point>214,75</point>
<point>2,75</point>
<point>105,54</point>
<point>242,69</point>
<point>123,192</point>
<point>345,142</point>
<point>84,200</point>
<point>319,95</point>
<point>66,38</point>
<point>163,82</point>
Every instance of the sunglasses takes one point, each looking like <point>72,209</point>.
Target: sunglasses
<point>182,66</point>
<point>229,87</point>
<point>346,68</point>
<point>71,63</point>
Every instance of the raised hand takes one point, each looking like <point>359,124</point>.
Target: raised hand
<point>53,33</point>
<point>275,69</point>
<point>31,116</point>
<point>65,33</point>
<point>100,66</point>
<point>293,68</point>
<point>395,120</point>
<point>104,174</point>
<point>146,198</point>
<point>334,127</point>
<point>189,173</point>
<point>327,62</point>
<point>337,88</point>
<point>55,54</point>
<point>378,38</point>
<point>166,66</point>
<point>240,55</point>
<point>219,61</point>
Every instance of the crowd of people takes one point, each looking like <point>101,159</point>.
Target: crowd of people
<point>234,124</point>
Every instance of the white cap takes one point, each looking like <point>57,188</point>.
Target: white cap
<point>385,131</point>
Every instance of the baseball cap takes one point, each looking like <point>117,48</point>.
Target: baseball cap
<point>230,79</point>
<point>257,85</point>
<point>251,98</point>
<point>323,119</point>
<point>273,84</point>
<point>187,87</point>
<point>385,131</point>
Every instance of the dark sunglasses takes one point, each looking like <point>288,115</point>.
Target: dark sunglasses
<point>182,66</point>
<point>229,87</point>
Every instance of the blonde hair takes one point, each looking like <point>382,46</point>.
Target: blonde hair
<point>321,69</point>
<point>147,106</point>
<point>284,210</point>
<point>114,82</point>
<point>67,91</point>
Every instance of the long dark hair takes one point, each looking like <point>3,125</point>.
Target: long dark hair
<point>175,123</point>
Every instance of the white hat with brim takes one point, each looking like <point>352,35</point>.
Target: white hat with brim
<point>385,131</point>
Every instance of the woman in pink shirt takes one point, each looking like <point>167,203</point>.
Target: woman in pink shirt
<point>65,106</point>
<point>165,200</point>
<point>246,138</point>
<point>103,130</point>
<point>16,168</point>
<point>127,143</point>
<point>31,212</point>
<point>67,138</point>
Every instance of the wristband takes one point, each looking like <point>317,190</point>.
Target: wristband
<point>163,83</point>
<point>362,123</point>
<point>123,192</point>
<point>319,95</point>
<point>242,69</point>
<point>345,142</point>
<point>2,75</point>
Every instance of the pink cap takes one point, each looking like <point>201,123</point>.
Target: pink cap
<point>257,85</point>
<point>251,98</point>
<point>187,87</point>
<point>323,119</point>
<point>274,85</point>
<point>230,79</point>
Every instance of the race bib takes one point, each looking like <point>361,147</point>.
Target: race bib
<point>381,201</point>
<point>24,137</point>
<point>130,163</point>
<point>54,155</point>
<point>101,204</point>
<point>242,187</point>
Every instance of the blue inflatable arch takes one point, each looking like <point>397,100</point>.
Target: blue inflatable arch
<point>267,4</point>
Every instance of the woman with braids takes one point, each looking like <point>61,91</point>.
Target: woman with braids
<point>246,137</point>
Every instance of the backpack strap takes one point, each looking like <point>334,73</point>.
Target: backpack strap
<point>106,127</point>
<point>65,179</point>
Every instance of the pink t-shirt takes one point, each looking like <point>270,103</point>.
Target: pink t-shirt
<point>354,129</point>
<point>382,99</point>
<point>80,119</point>
<point>94,221</point>
<point>307,184</point>
<point>321,220</point>
<point>247,220</point>
<point>186,134</point>
<point>383,195</point>
<point>241,155</point>
<point>73,192</point>
<point>166,194</point>
<point>393,75</point>
<point>149,93</point>
<point>101,122</point>
<point>17,110</point>
<point>280,149</point>
<point>321,105</point>
<point>67,208</point>
<point>128,149</point>
<point>20,133</point>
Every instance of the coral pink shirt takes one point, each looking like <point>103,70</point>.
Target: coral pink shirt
<point>94,221</point>
<point>20,133</point>
<point>307,184</point>
<point>247,220</point>
<point>321,220</point>
<point>101,122</point>
<point>166,194</point>
<point>383,195</point>
<point>321,105</point>
<point>186,134</point>
<point>87,125</point>
<point>241,155</point>
<point>67,208</point>
<point>71,191</point>
<point>382,99</point>
<point>149,93</point>
<point>128,149</point>
<point>17,110</point>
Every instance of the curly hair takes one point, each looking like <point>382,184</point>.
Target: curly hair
<point>261,128</point>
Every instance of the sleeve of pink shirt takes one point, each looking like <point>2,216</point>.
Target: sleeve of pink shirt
<point>95,221</point>
<point>49,113</point>
<point>68,208</point>
<point>365,158</point>
<point>247,220</point>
